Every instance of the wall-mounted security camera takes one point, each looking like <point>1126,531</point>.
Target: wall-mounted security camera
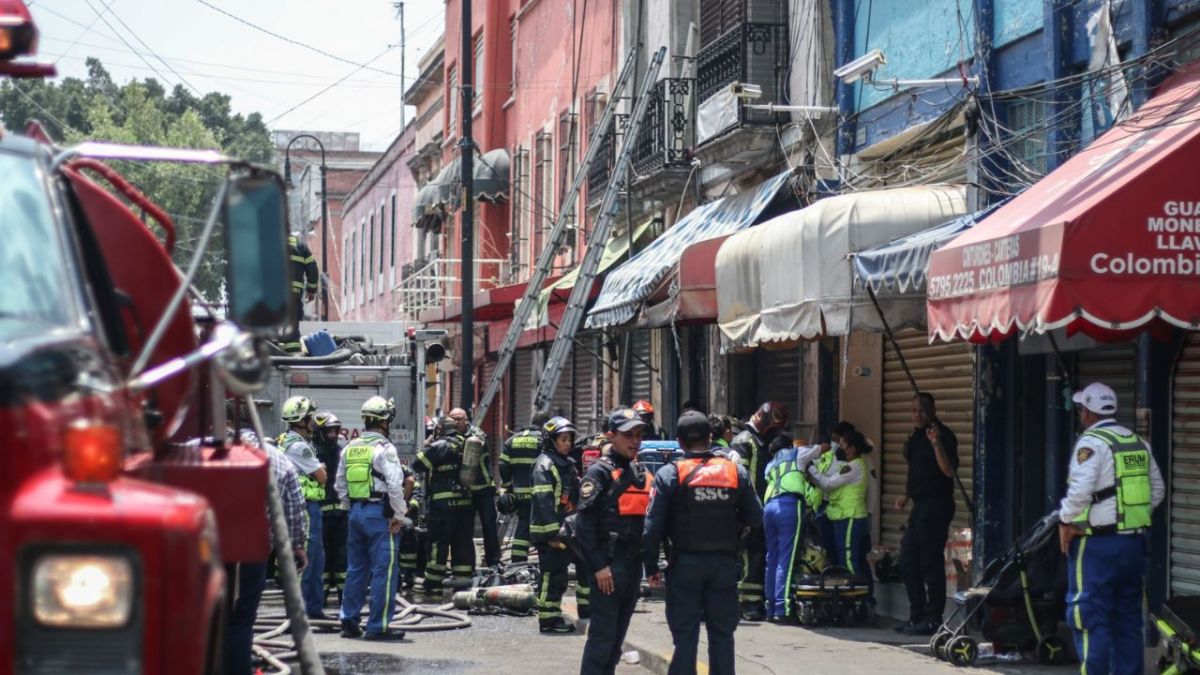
<point>862,68</point>
<point>745,91</point>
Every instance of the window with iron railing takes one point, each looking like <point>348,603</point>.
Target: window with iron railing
<point>601,167</point>
<point>521,214</point>
<point>667,133</point>
<point>512,39</point>
<point>543,188</point>
<point>393,229</point>
<point>478,79</point>
<point>567,149</point>
<point>752,53</point>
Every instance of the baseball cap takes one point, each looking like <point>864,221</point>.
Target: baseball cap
<point>624,419</point>
<point>692,426</point>
<point>1097,397</point>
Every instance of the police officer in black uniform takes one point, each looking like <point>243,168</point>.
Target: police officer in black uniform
<point>613,498</point>
<point>517,458</point>
<point>451,521</point>
<point>334,520</point>
<point>702,504</point>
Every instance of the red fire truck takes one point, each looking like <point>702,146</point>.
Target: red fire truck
<point>119,499</point>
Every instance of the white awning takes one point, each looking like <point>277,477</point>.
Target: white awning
<point>791,278</point>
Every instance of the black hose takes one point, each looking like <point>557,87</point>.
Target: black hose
<point>331,359</point>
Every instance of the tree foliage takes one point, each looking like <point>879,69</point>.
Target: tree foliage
<point>143,112</point>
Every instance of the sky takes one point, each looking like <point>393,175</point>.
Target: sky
<point>190,42</point>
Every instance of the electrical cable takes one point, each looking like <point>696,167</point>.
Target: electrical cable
<point>331,86</point>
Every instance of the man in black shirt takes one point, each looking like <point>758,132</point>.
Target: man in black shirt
<point>932,456</point>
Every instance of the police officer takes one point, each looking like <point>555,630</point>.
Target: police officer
<point>483,490</point>
<point>1113,487</point>
<point>613,499</point>
<point>298,414</point>
<point>451,522</point>
<point>305,282</point>
<point>516,478</point>
<point>751,445</point>
<point>645,410</point>
<point>372,486</point>
<point>328,444</point>
<point>789,497</point>
<point>555,496</point>
<point>702,504</point>
<point>847,482</point>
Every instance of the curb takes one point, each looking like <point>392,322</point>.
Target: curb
<point>651,660</point>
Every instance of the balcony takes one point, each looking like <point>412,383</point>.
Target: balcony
<point>750,53</point>
<point>668,133</point>
<point>601,169</point>
<point>432,282</point>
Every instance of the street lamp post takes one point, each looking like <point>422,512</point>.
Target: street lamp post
<point>287,172</point>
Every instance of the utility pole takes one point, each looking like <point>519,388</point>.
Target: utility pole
<point>466,147</point>
<point>400,12</point>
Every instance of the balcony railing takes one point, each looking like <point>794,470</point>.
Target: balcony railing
<point>601,168</point>
<point>668,133</point>
<point>752,53</point>
<point>433,282</point>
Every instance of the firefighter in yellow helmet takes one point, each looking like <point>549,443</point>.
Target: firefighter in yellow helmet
<point>296,443</point>
<point>374,487</point>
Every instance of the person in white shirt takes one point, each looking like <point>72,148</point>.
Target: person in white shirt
<point>1113,487</point>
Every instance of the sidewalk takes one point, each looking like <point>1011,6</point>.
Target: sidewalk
<point>764,648</point>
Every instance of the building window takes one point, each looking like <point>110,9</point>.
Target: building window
<point>370,262</point>
<point>393,229</point>
<point>345,267</point>
<point>568,146</point>
<point>543,189</point>
<point>352,256</point>
<point>452,97</point>
<point>520,204</point>
<point>1027,121</point>
<point>382,237</point>
<point>512,39</point>
<point>478,75</point>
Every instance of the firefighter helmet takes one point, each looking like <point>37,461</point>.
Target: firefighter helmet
<point>327,420</point>
<point>506,504</point>
<point>770,415</point>
<point>297,409</point>
<point>379,408</point>
<point>643,406</point>
<point>558,426</point>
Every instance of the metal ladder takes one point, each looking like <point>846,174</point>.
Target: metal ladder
<point>595,243</point>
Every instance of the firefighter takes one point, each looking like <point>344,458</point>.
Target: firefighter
<point>847,482</point>
<point>298,414</point>
<point>701,503</point>
<point>450,518</point>
<point>1113,487</point>
<point>305,282</point>
<point>613,498</point>
<point>516,478</point>
<point>645,410</point>
<point>555,496</point>
<point>751,445</point>
<point>327,440</point>
<point>373,488</point>
<point>483,490</point>
<point>789,498</point>
<point>412,539</point>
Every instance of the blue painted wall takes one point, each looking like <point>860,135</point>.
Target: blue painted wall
<point>1015,19</point>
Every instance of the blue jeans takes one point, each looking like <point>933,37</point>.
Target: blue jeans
<point>247,581</point>
<point>312,583</point>
<point>853,541</point>
<point>372,555</point>
<point>783,519</point>
<point>1106,577</point>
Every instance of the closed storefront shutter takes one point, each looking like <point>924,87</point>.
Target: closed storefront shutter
<point>586,394</point>
<point>642,376</point>
<point>1185,472</point>
<point>1115,366</point>
<point>492,422</point>
<point>560,403</point>
<point>777,378</point>
<point>947,372</point>
<point>522,388</point>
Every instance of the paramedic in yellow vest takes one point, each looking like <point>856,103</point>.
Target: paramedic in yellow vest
<point>846,484</point>
<point>787,500</point>
<point>296,443</point>
<point>1113,486</point>
<point>373,486</point>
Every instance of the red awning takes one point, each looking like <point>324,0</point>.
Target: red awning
<point>689,294</point>
<point>1106,244</point>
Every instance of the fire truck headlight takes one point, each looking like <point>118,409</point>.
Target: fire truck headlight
<point>82,591</point>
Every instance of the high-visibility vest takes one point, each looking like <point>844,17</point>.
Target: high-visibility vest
<point>784,477</point>
<point>1132,489</point>
<point>850,501</point>
<point>704,511</point>
<point>634,500</point>
<point>358,458</point>
<point>313,490</point>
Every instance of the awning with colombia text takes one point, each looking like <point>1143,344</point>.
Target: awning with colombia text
<point>1105,244</point>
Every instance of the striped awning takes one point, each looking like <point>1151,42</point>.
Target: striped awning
<point>628,286</point>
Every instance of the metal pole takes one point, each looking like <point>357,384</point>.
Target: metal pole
<point>324,275</point>
<point>466,148</point>
<point>400,7</point>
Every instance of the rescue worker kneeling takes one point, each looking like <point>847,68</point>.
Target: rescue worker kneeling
<point>373,487</point>
<point>555,496</point>
<point>702,504</point>
<point>789,497</point>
